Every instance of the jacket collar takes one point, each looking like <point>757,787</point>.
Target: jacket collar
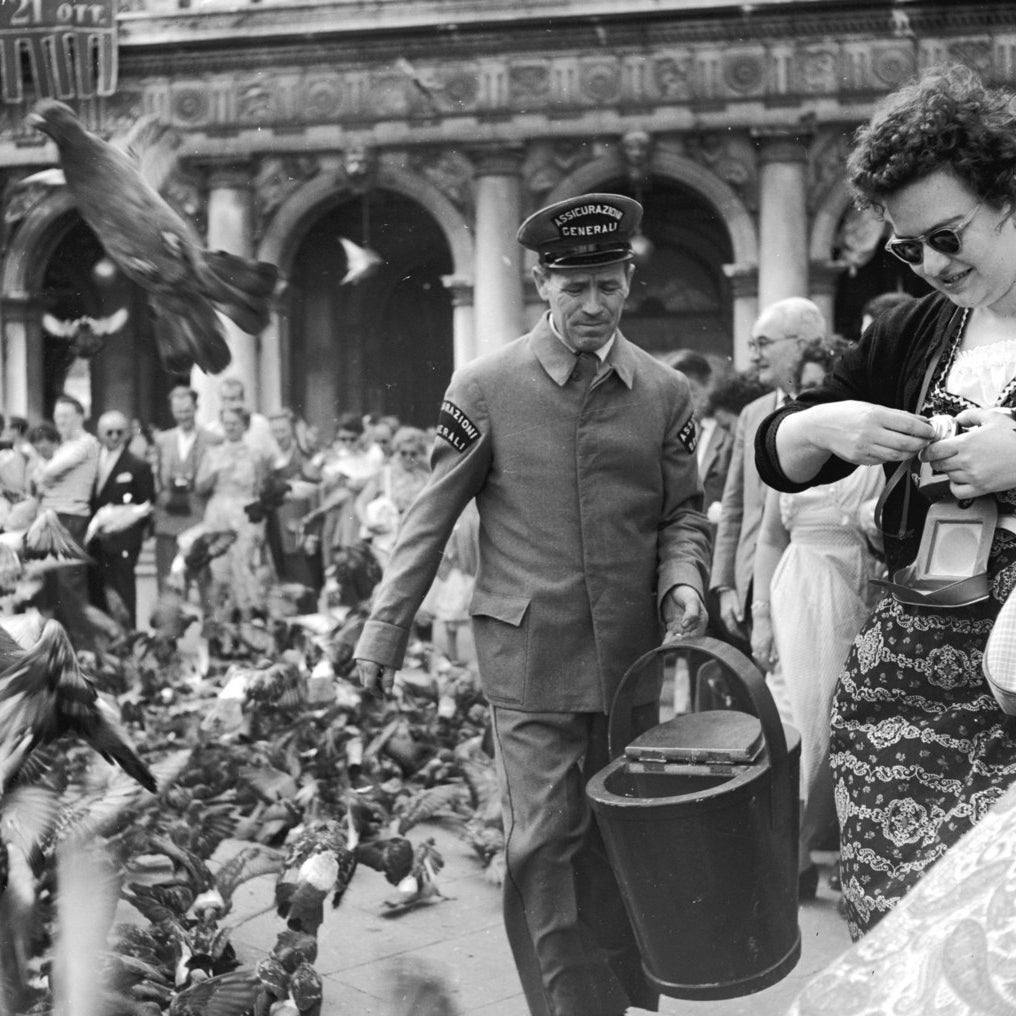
<point>559,361</point>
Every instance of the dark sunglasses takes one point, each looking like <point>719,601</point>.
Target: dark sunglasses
<point>945,240</point>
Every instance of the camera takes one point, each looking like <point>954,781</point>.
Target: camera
<point>932,483</point>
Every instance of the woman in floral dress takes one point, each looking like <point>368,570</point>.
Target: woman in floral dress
<point>231,474</point>
<point>920,750</point>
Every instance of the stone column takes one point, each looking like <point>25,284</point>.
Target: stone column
<point>824,277</point>
<point>783,215</point>
<point>498,311</point>
<point>230,228</point>
<point>463,322</point>
<point>744,291</point>
<point>22,360</point>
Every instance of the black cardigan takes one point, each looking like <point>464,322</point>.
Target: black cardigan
<point>887,367</point>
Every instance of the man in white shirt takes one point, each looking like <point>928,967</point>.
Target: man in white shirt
<point>180,451</point>
<point>65,484</point>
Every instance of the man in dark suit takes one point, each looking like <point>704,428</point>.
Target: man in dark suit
<point>579,449</point>
<point>123,479</point>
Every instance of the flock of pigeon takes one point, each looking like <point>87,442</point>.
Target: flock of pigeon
<point>236,751</point>
<point>232,751</point>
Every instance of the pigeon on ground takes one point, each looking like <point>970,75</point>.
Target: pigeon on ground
<point>154,248</point>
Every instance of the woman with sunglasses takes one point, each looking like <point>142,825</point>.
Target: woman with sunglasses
<point>920,750</point>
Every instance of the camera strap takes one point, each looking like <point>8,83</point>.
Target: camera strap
<point>903,469</point>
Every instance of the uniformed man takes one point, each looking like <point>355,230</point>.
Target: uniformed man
<point>579,449</point>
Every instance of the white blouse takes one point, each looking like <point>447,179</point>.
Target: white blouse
<point>982,374</point>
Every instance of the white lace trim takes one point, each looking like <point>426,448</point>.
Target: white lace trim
<point>982,373</point>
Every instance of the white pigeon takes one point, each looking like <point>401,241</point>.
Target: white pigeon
<point>361,262</point>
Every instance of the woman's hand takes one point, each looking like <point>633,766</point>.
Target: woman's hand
<point>980,461</point>
<point>859,432</point>
<point>763,644</point>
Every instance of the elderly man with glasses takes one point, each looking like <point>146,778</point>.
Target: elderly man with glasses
<point>779,337</point>
<point>121,479</point>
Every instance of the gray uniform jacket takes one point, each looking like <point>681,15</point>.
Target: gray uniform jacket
<point>590,511</point>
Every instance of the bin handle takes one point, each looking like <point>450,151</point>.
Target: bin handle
<point>619,720</point>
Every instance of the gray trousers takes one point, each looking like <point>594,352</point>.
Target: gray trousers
<point>570,936</point>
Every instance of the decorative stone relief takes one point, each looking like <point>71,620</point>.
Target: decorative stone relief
<point>601,80</point>
<point>322,97</point>
<point>975,53</point>
<point>744,73</point>
<point>637,147</point>
<point>827,158</point>
<point>358,168</point>
<point>276,178</point>
<point>254,104</point>
<point>892,65</point>
<point>450,172</point>
<point>673,76</point>
<point>190,104</point>
<point>529,85</point>
<point>732,157</point>
<point>816,71</point>
<point>547,163</point>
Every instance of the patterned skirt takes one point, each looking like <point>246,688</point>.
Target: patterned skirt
<point>920,750</point>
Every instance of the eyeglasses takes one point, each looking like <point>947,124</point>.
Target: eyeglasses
<point>944,240</point>
<point>346,440</point>
<point>757,345</point>
<point>112,433</point>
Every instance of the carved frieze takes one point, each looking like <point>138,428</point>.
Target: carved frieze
<point>275,179</point>
<point>547,163</point>
<point>529,85</point>
<point>673,76</point>
<point>732,157</point>
<point>892,65</point>
<point>744,73</point>
<point>450,171</point>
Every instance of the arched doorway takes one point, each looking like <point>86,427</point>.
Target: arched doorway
<point>381,344</point>
<point>120,370</point>
<point>680,297</point>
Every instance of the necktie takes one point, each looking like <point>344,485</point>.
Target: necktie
<point>586,366</point>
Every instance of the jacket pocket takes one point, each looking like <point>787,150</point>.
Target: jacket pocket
<point>510,609</point>
<point>501,633</point>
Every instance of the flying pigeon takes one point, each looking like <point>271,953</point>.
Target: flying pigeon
<point>361,262</point>
<point>85,335</point>
<point>152,245</point>
<point>45,693</point>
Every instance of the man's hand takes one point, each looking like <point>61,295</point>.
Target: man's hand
<point>376,679</point>
<point>982,460</point>
<point>684,613</point>
<point>730,613</point>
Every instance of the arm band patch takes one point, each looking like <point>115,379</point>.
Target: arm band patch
<point>689,435</point>
<point>455,427</point>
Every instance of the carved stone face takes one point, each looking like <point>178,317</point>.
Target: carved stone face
<point>635,145</point>
<point>356,161</point>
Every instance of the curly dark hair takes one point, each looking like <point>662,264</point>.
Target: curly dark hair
<point>947,119</point>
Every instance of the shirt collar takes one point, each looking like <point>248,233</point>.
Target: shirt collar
<point>558,358</point>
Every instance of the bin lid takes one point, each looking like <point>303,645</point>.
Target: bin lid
<point>714,736</point>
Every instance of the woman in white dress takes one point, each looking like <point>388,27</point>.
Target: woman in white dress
<point>813,565</point>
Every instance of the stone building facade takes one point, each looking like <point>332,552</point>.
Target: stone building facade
<point>425,130</point>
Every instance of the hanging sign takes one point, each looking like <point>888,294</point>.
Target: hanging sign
<point>66,48</point>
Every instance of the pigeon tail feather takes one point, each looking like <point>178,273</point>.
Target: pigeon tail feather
<point>186,332</point>
<point>241,289</point>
